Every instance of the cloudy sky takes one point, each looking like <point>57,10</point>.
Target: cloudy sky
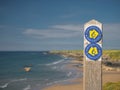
<point>30,25</point>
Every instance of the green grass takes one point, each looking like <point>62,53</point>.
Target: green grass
<point>67,51</point>
<point>112,86</point>
<point>112,55</point>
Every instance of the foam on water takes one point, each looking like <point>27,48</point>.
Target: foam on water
<point>69,74</point>
<point>47,69</point>
<point>28,87</point>
<point>54,63</point>
<point>12,81</point>
<point>4,86</point>
<point>17,80</point>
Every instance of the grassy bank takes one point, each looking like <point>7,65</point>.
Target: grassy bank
<point>112,86</point>
<point>108,55</point>
<point>110,59</point>
<point>112,55</point>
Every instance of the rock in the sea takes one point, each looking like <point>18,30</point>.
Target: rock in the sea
<point>27,69</point>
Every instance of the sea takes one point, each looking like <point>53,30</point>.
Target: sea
<point>46,69</point>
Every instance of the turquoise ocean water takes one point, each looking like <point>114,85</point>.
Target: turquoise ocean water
<point>46,69</point>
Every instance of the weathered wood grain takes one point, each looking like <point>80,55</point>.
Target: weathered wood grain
<point>92,69</point>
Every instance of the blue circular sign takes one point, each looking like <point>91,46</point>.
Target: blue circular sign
<point>93,34</point>
<point>93,51</point>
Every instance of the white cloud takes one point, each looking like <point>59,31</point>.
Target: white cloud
<point>56,31</point>
<point>110,31</point>
<point>68,15</point>
<point>50,33</point>
<point>68,27</point>
<point>4,26</point>
<point>111,27</point>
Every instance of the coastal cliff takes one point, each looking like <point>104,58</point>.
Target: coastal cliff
<point>110,58</point>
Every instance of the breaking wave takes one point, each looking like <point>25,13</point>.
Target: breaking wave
<point>54,63</point>
<point>17,80</point>
<point>27,88</point>
<point>4,86</point>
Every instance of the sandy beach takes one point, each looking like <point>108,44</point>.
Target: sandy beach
<point>107,76</point>
<point>77,83</point>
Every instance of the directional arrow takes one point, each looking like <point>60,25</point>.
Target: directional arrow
<point>93,51</point>
<point>93,34</point>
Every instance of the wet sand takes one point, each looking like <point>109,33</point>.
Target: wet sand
<point>107,76</point>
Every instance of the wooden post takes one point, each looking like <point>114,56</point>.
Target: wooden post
<point>92,55</point>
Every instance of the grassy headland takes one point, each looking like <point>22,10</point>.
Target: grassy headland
<point>108,55</point>
<point>110,58</point>
<point>110,65</point>
<point>112,86</point>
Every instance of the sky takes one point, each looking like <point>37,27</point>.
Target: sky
<point>37,25</point>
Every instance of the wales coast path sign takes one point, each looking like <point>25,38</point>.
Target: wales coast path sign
<point>92,55</point>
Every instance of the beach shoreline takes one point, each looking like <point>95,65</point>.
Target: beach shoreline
<point>76,84</point>
<point>107,76</point>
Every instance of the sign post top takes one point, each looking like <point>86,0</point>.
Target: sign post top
<point>93,40</point>
<point>93,22</point>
